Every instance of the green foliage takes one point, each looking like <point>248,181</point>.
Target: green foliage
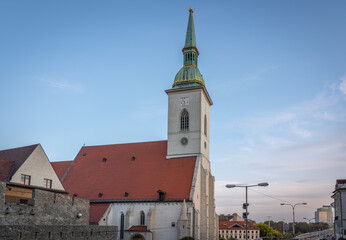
<point>231,238</point>
<point>266,231</point>
<point>300,228</point>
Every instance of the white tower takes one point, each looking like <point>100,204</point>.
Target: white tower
<point>188,105</point>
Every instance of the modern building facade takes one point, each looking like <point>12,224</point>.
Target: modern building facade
<point>339,196</point>
<point>155,190</point>
<point>237,230</point>
<point>324,215</point>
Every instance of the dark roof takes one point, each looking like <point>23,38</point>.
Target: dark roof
<point>17,156</point>
<point>133,171</point>
<point>96,211</point>
<point>61,167</point>
<point>234,225</point>
<point>340,181</point>
<point>138,229</point>
<point>5,168</point>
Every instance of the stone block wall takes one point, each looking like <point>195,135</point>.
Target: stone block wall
<point>48,208</point>
<point>25,232</point>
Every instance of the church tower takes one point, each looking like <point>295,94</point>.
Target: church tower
<point>188,104</point>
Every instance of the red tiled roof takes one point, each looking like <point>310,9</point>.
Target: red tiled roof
<point>61,167</point>
<point>5,168</point>
<point>96,211</point>
<point>138,229</point>
<point>17,156</point>
<point>118,173</point>
<point>340,181</point>
<point>229,224</point>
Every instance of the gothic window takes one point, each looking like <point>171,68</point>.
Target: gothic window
<point>122,220</point>
<point>142,218</point>
<point>205,125</point>
<point>184,120</point>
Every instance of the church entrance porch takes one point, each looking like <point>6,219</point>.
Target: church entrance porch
<point>137,237</point>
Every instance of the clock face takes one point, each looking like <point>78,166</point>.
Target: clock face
<point>184,101</point>
<point>184,141</point>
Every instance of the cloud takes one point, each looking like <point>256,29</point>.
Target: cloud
<point>342,85</point>
<point>299,150</point>
<point>62,84</point>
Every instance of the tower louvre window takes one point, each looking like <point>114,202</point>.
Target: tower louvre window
<point>184,120</point>
<point>205,125</point>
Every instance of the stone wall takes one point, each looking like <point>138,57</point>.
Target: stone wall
<point>23,232</point>
<point>48,208</point>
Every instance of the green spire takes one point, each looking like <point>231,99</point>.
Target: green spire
<point>189,75</point>
<point>190,40</point>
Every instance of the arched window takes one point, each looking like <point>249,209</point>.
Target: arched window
<point>122,227</point>
<point>184,120</point>
<point>205,125</point>
<point>142,218</point>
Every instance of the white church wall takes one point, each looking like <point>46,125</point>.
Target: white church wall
<point>159,217</point>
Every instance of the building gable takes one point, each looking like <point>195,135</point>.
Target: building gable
<point>17,156</point>
<point>38,167</point>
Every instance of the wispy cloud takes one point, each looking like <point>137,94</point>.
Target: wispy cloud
<point>342,85</point>
<point>62,84</point>
<point>302,148</point>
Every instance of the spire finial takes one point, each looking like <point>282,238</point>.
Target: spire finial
<point>189,74</point>
<point>190,40</point>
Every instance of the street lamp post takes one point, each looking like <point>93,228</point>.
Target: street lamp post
<point>283,226</point>
<point>293,206</point>
<point>309,219</point>
<point>269,217</point>
<point>246,203</point>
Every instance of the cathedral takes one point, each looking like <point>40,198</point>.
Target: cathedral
<point>160,190</point>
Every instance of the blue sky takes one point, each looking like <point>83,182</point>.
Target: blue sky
<point>94,72</point>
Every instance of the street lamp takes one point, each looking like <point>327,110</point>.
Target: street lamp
<point>269,217</point>
<point>283,226</point>
<point>309,219</point>
<point>293,206</point>
<point>245,205</point>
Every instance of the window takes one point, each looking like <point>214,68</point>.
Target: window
<point>122,220</point>
<point>184,120</point>
<point>25,179</point>
<point>205,125</point>
<point>24,201</point>
<point>47,183</point>
<point>142,218</point>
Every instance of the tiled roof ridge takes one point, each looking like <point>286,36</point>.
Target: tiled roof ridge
<point>18,156</point>
<point>241,223</point>
<point>167,200</point>
<point>103,145</point>
<point>10,149</point>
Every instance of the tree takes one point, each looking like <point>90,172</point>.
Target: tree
<point>269,232</point>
